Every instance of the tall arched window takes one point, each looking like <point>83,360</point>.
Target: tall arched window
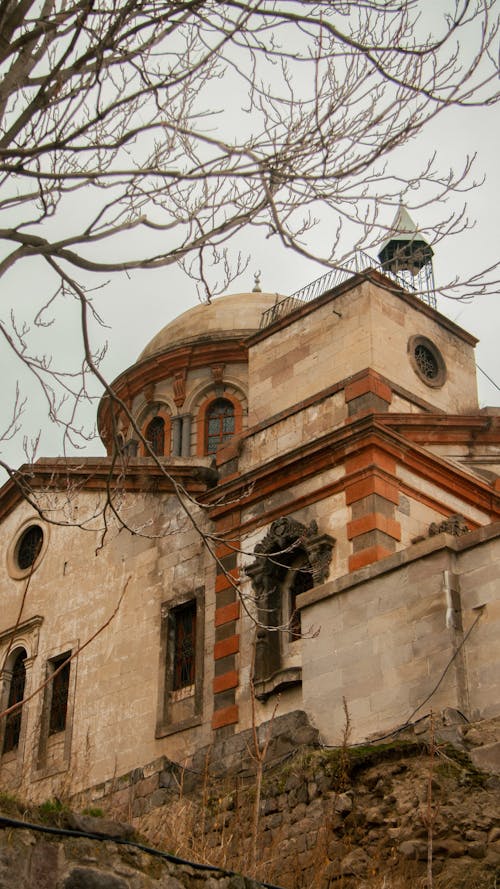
<point>155,435</point>
<point>16,694</point>
<point>220,424</point>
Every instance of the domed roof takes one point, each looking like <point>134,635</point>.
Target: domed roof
<point>236,314</point>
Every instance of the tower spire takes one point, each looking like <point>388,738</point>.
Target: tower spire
<point>408,255</point>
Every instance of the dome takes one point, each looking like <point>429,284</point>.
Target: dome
<point>236,314</point>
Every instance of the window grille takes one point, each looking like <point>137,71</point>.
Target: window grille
<point>59,699</point>
<point>16,694</point>
<point>155,435</point>
<point>427,362</point>
<point>184,619</point>
<point>29,546</point>
<point>220,424</point>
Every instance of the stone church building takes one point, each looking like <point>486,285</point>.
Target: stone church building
<point>300,504</point>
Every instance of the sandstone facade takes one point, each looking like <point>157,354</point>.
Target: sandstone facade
<point>329,473</point>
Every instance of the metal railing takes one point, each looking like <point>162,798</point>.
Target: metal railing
<point>421,285</point>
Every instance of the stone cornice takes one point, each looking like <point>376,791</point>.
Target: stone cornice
<point>380,280</point>
<point>176,359</point>
<point>142,474</point>
<point>139,474</point>
<point>420,550</point>
<point>314,457</point>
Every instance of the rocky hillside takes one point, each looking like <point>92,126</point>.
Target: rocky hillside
<point>368,817</point>
<point>350,819</point>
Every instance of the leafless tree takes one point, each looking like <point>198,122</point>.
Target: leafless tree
<point>135,135</point>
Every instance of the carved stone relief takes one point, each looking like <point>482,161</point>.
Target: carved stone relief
<point>454,524</point>
<point>180,387</point>
<point>285,537</point>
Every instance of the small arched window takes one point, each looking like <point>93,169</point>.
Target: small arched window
<point>220,424</point>
<point>155,435</point>
<point>16,694</point>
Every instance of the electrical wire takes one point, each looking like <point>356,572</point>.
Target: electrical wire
<point>409,723</point>
<point>488,377</point>
<point>158,853</point>
<point>167,856</point>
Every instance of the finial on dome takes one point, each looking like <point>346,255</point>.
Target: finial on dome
<point>256,286</point>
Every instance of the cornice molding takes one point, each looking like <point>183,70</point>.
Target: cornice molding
<point>333,449</point>
<point>175,360</point>
<point>379,280</point>
<point>140,474</point>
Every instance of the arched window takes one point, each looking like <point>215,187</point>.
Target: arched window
<point>16,694</point>
<point>155,435</point>
<point>220,424</point>
<point>299,581</point>
<point>291,559</point>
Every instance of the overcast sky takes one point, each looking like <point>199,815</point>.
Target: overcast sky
<point>135,307</point>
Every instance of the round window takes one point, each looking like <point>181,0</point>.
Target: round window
<point>427,361</point>
<point>29,547</point>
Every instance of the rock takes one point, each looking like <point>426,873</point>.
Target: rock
<point>292,782</point>
<point>473,738</point>
<point>494,835</point>
<point>415,850</point>
<point>312,790</point>
<point>487,758</point>
<point>88,878</point>
<point>343,804</point>
<point>477,850</point>
<point>449,848</point>
<point>493,855</point>
<point>355,863</point>
<point>44,865</point>
<point>100,826</point>
<point>476,836</point>
<point>298,795</point>
<point>374,816</point>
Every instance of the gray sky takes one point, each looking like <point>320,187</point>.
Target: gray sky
<point>135,307</point>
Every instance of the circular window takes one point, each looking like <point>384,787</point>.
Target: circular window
<point>427,361</point>
<point>28,547</point>
<point>26,550</point>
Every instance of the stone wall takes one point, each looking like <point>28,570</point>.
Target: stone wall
<point>113,709</point>
<point>33,860</point>
<point>346,816</point>
<point>362,325</point>
<point>412,632</point>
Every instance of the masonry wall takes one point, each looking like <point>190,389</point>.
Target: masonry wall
<point>113,709</point>
<point>367,325</point>
<point>393,634</point>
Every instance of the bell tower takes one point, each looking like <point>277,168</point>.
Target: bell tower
<point>408,256</point>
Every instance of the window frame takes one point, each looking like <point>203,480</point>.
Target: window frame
<point>419,341</point>
<point>19,652</point>
<point>287,546</point>
<point>53,753</point>
<point>24,635</point>
<point>180,708</point>
<point>151,414</point>
<point>221,437</point>
<point>202,425</point>
<point>13,568</point>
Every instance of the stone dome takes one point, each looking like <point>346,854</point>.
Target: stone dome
<point>236,314</point>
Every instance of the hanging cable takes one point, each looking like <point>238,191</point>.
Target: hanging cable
<point>488,377</point>
<point>158,853</point>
